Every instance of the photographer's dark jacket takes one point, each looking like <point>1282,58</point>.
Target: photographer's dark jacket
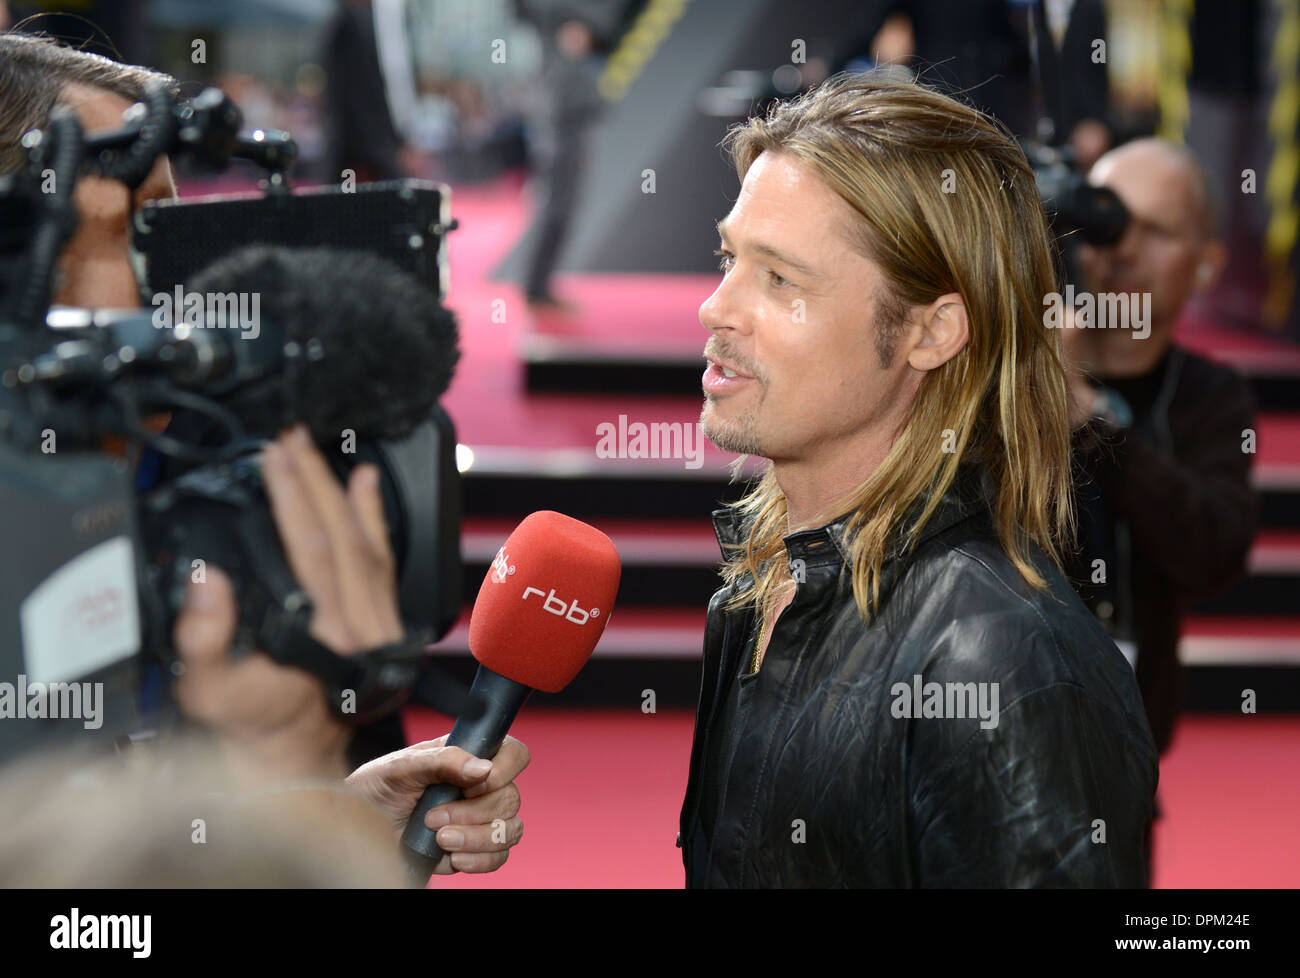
<point>1168,507</point>
<point>803,774</point>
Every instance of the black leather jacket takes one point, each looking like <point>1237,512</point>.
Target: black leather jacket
<point>827,787</point>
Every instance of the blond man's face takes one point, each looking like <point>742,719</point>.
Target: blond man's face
<point>793,317</point>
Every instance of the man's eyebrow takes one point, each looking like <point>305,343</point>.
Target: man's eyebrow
<point>763,248</point>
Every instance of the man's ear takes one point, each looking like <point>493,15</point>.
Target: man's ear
<point>1214,256</point>
<point>945,330</point>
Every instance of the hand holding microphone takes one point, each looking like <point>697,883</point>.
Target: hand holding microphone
<point>540,611</point>
<point>479,831</point>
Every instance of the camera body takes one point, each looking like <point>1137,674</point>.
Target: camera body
<point>1079,211</point>
<point>218,514</point>
<point>99,558</point>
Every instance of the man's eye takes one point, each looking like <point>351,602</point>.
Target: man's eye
<point>777,280</point>
<point>727,258</point>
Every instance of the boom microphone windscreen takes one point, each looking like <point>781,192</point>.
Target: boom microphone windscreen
<point>382,348</point>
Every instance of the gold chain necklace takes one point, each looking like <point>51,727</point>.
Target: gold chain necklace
<point>756,659</point>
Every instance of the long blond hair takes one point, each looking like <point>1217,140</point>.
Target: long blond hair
<point>947,203</point>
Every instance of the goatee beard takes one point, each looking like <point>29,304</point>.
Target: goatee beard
<point>736,436</point>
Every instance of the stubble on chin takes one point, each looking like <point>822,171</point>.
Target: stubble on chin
<point>736,435</point>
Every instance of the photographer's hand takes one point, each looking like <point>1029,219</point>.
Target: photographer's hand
<point>273,718</point>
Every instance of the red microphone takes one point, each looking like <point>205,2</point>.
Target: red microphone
<point>540,611</point>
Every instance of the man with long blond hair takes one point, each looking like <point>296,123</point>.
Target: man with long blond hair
<point>900,688</point>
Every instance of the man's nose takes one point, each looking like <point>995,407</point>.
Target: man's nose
<point>720,310</point>
<point>1095,262</point>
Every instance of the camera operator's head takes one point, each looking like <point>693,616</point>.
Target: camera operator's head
<point>1171,248</point>
<point>35,75</point>
<point>885,266</point>
<point>276,713</point>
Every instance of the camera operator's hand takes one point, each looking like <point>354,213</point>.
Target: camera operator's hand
<point>337,544</point>
<point>274,718</point>
<point>477,833</point>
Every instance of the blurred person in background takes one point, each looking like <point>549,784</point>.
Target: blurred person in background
<point>260,102</point>
<point>1164,490</point>
<point>1160,433</point>
<point>1028,62</point>
<point>1069,76</point>
<point>576,37</point>
<point>369,92</point>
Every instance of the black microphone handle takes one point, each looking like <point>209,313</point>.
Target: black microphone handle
<point>490,708</point>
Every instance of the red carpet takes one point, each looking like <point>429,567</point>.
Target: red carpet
<point>600,798</point>
<point>1230,790</point>
<point>604,789</point>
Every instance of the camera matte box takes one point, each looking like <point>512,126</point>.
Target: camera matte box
<point>404,221</point>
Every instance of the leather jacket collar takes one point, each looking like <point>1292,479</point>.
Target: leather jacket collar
<point>971,490</point>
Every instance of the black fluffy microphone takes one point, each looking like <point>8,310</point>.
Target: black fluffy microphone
<point>376,348</point>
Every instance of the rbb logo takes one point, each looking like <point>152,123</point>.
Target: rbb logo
<point>556,607</point>
<point>501,566</point>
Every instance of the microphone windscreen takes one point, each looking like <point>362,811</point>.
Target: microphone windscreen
<point>545,600</point>
<point>384,347</point>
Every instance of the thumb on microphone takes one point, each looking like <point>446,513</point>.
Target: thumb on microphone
<point>485,819</point>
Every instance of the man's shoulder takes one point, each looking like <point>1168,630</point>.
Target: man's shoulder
<point>969,608</point>
<point>969,616</point>
<point>1200,374</point>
